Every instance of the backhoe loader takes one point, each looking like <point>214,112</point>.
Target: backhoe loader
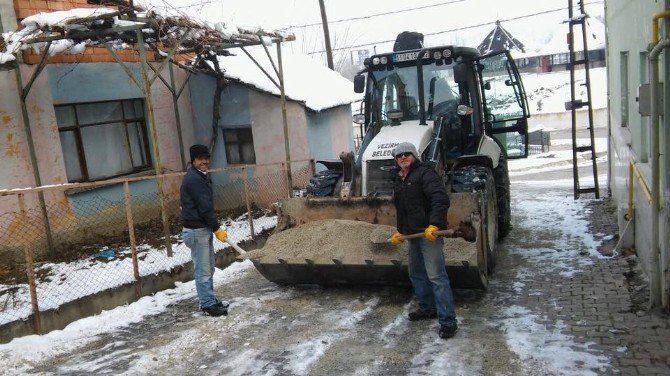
<point>467,116</point>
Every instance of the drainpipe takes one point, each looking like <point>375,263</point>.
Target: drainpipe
<point>658,257</point>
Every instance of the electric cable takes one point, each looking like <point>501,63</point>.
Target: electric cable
<point>372,15</point>
<point>458,28</point>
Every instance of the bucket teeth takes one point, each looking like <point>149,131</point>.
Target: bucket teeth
<point>309,262</point>
<point>337,262</point>
<point>369,262</point>
<point>282,261</point>
<point>396,262</point>
<point>466,263</point>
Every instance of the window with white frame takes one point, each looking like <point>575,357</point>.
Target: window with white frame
<point>239,146</point>
<point>101,140</point>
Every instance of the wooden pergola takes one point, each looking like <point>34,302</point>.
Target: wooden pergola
<point>176,41</point>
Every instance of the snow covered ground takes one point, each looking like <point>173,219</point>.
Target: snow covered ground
<point>548,92</point>
<point>542,201</point>
<point>250,341</point>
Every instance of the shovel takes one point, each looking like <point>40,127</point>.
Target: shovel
<point>236,247</point>
<point>383,240</point>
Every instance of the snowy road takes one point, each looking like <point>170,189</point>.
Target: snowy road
<point>528,323</point>
<point>514,328</point>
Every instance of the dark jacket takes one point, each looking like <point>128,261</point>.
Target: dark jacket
<point>420,200</point>
<point>197,201</point>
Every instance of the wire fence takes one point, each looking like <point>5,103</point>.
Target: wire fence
<point>59,244</point>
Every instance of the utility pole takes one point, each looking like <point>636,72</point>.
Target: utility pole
<point>326,35</point>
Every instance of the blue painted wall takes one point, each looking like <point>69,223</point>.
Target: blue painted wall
<point>234,112</point>
<point>77,83</point>
<point>319,136</point>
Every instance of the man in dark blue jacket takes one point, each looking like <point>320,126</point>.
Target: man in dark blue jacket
<point>197,215</point>
<point>421,204</point>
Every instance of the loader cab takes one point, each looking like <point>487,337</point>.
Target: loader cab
<point>401,88</point>
<point>504,104</point>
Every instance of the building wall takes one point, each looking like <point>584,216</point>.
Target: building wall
<point>329,132</point>
<point>630,138</point>
<point>7,15</point>
<point>311,135</point>
<point>267,121</point>
<point>76,83</point>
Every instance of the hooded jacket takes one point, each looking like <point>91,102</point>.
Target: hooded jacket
<point>197,201</point>
<point>420,200</point>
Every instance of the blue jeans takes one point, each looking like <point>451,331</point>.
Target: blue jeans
<point>430,280</point>
<point>199,240</point>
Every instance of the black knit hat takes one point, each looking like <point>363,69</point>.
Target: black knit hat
<point>198,150</point>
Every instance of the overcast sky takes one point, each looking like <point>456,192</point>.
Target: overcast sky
<point>531,21</point>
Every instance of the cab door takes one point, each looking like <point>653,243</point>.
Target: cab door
<point>505,106</point>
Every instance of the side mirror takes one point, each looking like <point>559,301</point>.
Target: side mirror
<point>460,73</point>
<point>359,83</point>
<point>487,85</point>
<point>522,126</point>
<point>359,119</point>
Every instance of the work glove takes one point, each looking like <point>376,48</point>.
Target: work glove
<point>430,233</point>
<point>221,234</point>
<point>396,238</point>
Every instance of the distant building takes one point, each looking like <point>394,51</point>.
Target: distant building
<point>359,56</point>
<point>551,57</point>
<point>500,39</point>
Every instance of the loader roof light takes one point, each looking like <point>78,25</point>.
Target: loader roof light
<point>384,59</point>
<point>375,61</point>
<point>437,55</point>
<point>446,53</point>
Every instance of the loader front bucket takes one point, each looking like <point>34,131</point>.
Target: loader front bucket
<point>327,241</point>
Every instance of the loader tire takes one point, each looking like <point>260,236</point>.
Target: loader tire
<point>478,178</point>
<point>323,183</point>
<point>501,177</point>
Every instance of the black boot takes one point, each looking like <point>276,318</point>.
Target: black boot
<point>448,331</point>
<point>217,309</point>
<point>421,315</point>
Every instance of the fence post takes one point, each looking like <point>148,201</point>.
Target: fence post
<point>248,201</point>
<point>30,272</point>
<point>131,234</point>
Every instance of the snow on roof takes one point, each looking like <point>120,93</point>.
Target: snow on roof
<point>72,30</point>
<point>61,17</point>
<point>305,79</point>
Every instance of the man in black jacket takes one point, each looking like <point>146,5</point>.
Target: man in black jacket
<point>197,215</point>
<point>421,204</point>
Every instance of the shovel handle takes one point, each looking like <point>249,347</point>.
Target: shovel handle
<point>237,248</point>
<point>447,233</point>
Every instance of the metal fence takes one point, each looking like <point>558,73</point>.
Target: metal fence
<point>82,239</point>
